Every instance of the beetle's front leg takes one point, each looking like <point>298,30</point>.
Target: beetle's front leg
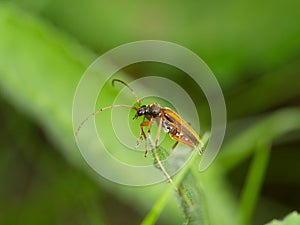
<point>142,134</point>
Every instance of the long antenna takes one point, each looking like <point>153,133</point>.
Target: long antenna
<point>132,91</point>
<point>96,112</point>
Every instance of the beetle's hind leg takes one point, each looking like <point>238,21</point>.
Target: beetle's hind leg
<point>174,146</point>
<point>172,134</point>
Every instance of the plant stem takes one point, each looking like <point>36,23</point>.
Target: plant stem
<point>254,182</point>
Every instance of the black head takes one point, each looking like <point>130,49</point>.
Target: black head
<point>143,110</point>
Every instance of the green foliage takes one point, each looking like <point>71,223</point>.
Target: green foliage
<point>291,219</point>
<point>43,67</point>
<point>188,192</point>
<point>45,47</point>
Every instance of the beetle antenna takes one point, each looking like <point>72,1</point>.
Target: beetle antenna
<point>132,91</point>
<point>98,111</point>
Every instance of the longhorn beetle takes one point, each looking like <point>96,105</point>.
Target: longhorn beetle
<point>165,118</point>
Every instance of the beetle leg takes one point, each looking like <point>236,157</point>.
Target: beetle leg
<point>158,131</point>
<point>172,134</point>
<point>142,135</point>
<point>182,139</point>
<point>174,146</point>
<point>152,120</point>
<point>149,124</point>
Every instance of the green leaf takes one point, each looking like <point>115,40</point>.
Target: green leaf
<point>291,219</point>
<point>40,67</point>
<point>39,72</point>
<point>189,194</point>
<point>151,218</point>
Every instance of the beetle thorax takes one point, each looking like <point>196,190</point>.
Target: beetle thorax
<point>152,110</point>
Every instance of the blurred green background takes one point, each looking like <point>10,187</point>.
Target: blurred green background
<point>45,46</point>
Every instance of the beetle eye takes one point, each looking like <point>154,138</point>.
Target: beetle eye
<point>141,111</point>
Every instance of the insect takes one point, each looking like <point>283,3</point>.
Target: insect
<point>165,118</point>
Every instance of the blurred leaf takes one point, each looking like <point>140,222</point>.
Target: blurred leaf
<point>40,68</point>
<point>233,37</point>
<point>39,72</point>
<point>266,128</point>
<point>219,199</point>
<point>40,187</point>
<point>266,92</point>
<point>291,219</point>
